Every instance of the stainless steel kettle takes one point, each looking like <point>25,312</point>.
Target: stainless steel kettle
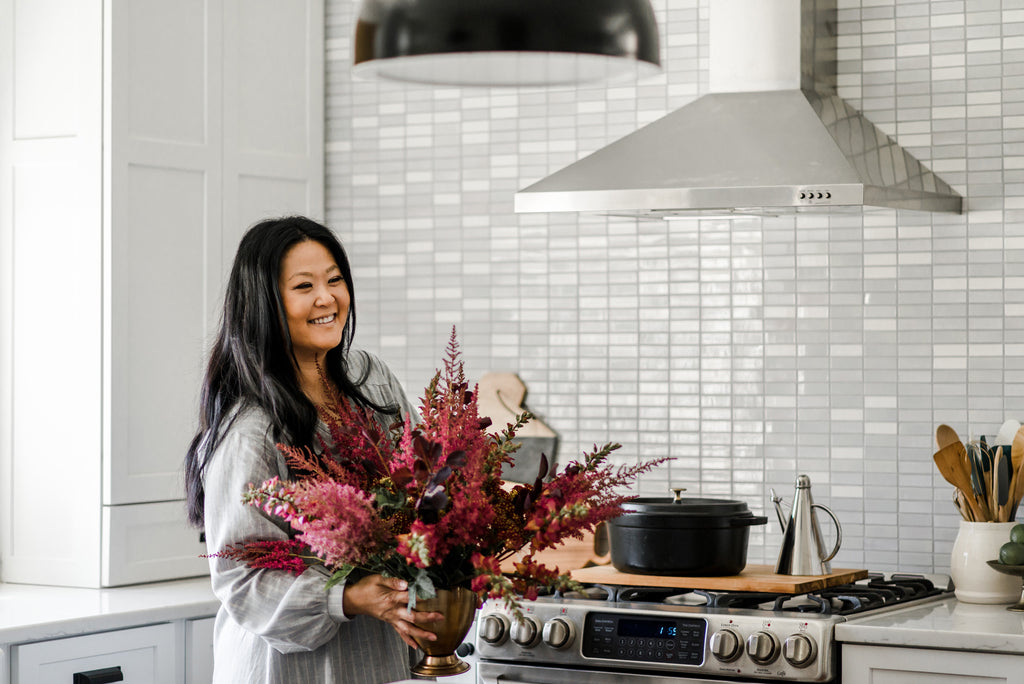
<point>802,551</point>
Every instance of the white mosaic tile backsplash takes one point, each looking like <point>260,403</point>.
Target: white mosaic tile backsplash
<point>749,351</point>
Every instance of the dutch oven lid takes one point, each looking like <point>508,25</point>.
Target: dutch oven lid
<point>678,510</point>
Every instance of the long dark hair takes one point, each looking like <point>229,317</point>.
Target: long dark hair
<point>251,363</point>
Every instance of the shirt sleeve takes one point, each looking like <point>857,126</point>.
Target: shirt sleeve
<point>380,384</point>
<point>292,613</point>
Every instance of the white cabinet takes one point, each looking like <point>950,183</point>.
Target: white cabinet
<point>179,652</point>
<point>889,665</point>
<point>143,655</point>
<point>138,138</point>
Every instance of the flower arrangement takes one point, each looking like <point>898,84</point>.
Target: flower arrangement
<point>425,502</point>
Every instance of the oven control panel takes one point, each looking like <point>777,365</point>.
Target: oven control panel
<point>644,638</point>
<point>684,640</point>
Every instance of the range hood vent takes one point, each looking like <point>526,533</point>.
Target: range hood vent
<point>771,137</point>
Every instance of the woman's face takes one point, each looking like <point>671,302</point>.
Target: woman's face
<point>315,300</point>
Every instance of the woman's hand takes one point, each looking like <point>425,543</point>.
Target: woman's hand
<point>386,598</point>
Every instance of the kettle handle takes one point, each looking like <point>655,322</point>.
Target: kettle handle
<point>839,531</point>
<point>777,500</point>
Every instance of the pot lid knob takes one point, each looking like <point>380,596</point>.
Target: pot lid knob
<point>677,494</point>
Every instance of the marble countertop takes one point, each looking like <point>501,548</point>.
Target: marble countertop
<point>31,612</point>
<point>945,624</point>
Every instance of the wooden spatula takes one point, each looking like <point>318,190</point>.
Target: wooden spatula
<point>1000,485</point>
<point>951,461</point>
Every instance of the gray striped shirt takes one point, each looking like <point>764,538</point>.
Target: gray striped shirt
<point>274,627</point>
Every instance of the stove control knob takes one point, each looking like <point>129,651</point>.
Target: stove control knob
<point>525,632</point>
<point>558,633</point>
<point>763,647</point>
<point>799,650</point>
<point>494,629</point>
<point>726,645</point>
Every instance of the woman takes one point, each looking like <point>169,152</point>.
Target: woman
<point>288,308</point>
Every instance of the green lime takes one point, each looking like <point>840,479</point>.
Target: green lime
<point>1017,534</point>
<point>1011,553</point>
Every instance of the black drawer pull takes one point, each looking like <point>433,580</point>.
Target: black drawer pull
<point>107,674</point>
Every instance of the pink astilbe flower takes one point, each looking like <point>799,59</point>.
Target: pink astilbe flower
<point>337,521</point>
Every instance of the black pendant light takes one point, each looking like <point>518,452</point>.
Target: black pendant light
<point>506,42</point>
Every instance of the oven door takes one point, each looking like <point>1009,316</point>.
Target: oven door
<point>497,673</point>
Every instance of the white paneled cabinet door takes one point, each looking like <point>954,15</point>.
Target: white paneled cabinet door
<point>888,665</point>
<point>150,542</point>
<point>273,113</point>
<point>163,236</point>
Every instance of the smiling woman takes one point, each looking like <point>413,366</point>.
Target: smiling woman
<point>286,330</point>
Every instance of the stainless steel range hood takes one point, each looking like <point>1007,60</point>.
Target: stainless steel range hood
<point>771,137</point>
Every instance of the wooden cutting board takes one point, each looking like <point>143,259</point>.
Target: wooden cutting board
<point>752,578</point>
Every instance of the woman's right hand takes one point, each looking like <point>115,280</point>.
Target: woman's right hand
<point>386,598</point>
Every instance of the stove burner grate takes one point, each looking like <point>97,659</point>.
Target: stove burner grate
<point>875,591</point>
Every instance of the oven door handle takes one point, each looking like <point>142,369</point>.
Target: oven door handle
<point>507,673</point>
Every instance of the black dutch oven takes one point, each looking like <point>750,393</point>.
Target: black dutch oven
<point>682,537</point>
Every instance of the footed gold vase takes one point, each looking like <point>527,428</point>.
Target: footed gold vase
<point>458,606</point>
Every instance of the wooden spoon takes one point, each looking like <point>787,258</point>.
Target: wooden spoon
<point>945,435</point>
<point>950,461</point>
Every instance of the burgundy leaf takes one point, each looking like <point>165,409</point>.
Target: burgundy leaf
<point>435,452</point>
<point>420,470</point>
<point>519,501</point>
<point>433,501</point>
<point>456,459</point>
<point>402,476</point>
<point>541,472</point>
<point>440,477</point>
<point>421,445</point>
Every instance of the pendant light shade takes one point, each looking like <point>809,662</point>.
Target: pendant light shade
<point>506,42</point>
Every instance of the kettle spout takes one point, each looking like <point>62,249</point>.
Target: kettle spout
<point>777,500</point>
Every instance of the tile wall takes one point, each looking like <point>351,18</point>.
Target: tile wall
<point>749,351</point>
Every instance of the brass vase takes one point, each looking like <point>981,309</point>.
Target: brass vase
<point>458,606</point>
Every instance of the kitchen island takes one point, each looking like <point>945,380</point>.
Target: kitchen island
<point>944,641</point>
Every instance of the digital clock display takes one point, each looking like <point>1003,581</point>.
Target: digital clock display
<point>647,629</point>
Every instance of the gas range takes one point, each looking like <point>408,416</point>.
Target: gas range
<point>618,633</point>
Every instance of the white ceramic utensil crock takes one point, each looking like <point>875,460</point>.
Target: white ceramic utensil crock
<point>975,581</point>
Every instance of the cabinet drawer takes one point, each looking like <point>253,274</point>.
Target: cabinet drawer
<point>146,655</point>
<point>149,543</point>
